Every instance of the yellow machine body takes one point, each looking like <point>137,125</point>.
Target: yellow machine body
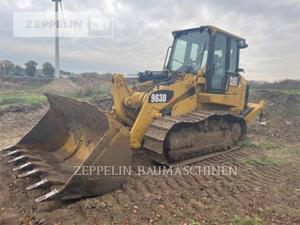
<point>127,100</point>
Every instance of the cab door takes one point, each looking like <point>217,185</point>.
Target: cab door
<point>224,63</point>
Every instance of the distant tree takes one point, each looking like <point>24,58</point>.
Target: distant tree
<point>48,70</point>
<point>30,68</point>
<point>6,67</point>
<point>39,73</point>
<point>18,71</point>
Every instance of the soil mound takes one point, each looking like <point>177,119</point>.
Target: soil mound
<point>282,113</point>
<point>61,86</point>
<point>92,81</point>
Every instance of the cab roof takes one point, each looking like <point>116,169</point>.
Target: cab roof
<point>213,29</point>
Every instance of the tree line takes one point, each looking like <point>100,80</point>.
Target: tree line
<point>29,69</point>
<point>286,84</point>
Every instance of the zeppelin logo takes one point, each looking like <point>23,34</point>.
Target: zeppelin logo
<point>162,96</point>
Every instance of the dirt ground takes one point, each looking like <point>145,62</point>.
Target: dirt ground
<point>265,190</point>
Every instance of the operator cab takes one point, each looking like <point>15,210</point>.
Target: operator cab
<point>208,48</point>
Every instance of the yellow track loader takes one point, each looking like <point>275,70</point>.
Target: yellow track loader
<point>195,108</point>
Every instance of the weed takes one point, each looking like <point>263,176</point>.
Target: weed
<point>247,221</point>
<point>286,91</point>
<point>276,153</point>
<point>270,145</point>
<point>194,222</point>
<point>237,220</point>
<point>291,91</point>
<point>89,93</point>
<point>247,143</point>
<point>264,161</point>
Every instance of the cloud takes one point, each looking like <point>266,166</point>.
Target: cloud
<point>142,33</point>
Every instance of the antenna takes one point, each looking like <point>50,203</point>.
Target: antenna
<point>57,69</point>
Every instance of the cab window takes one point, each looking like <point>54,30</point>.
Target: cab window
<point>233,51</point>
<point>179,54</point>
<point>218,78</point>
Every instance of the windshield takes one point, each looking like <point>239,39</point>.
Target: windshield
<point>189,50</point>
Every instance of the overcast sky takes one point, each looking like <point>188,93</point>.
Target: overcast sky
<point>142,33</point>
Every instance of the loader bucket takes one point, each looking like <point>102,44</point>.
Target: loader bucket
<point>72,151</point>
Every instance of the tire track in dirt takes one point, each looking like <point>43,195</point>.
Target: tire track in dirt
<point>157,199</point>
<point>171,202</point>
<point>178,193</point>
<point>159,205</point>
<point>138,196</point>
<point>217,189</point>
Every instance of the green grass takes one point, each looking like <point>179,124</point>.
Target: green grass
<point>10,98</point>
<point>279,153</point>
<point>264,161</point>
<point>292,91</point>
<point>286,91</point>
<point>247,143</point>
<point>194,222</point>
<point>89,94</point>
<point>34,98</point>
<point>247,221</point>
<point>270,145</point>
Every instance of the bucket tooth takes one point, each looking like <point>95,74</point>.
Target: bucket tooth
<point>15,152</point>
<point>47,196</point>
<point>29,173</point>
<point>23,166</point>
<point>17,159</point>
<point>7,148</point>
<point>37,185</point>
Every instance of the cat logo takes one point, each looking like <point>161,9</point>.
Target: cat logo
<point>233,81</point>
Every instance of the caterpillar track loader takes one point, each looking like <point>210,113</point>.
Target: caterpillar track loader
<point>197,106</point>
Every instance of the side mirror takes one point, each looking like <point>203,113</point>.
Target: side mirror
<point>242,44</point>
<point>241,70</point>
